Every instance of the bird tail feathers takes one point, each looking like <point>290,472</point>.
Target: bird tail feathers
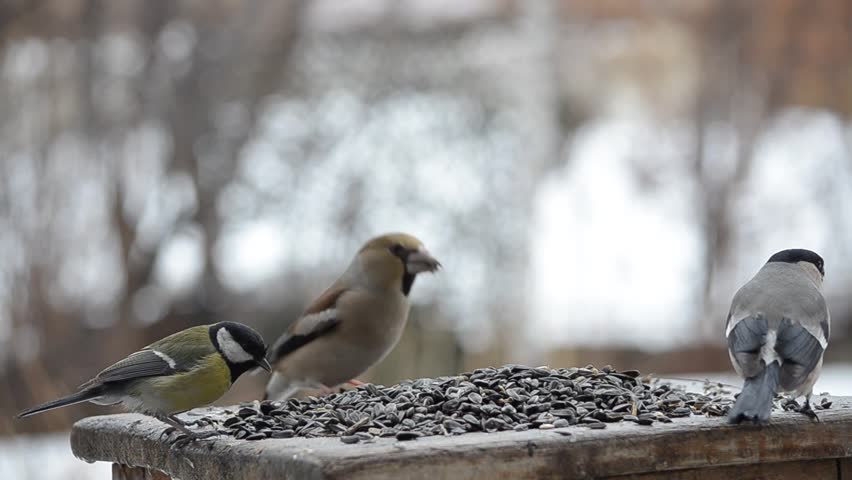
<point>74,398</point>
<point>755,401</point>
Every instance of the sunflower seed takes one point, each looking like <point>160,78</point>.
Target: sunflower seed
<point>513,397</point>
<point>405,436</point>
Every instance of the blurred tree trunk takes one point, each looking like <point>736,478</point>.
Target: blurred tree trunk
<point>733,92</point>
<point>268,32</point>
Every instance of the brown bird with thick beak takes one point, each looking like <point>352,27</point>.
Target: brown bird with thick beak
<point>355,323</point>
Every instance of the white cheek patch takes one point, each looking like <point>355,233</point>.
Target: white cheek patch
<point>232,350</point>
<point>166,358</point>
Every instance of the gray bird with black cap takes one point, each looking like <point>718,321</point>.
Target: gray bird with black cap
<point>777,331</point>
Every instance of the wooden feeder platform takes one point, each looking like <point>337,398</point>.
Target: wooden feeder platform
<point>790,447</point>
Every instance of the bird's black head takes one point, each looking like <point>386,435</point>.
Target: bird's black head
<point>240,346</point>
<point>796,255</point>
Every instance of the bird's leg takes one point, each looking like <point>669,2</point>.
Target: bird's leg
<point>174,426</point>
<point>807,410</point>
<point>355,382</point>
<point>199,422</point>
<point>186,435</point>
<point>322,389</point>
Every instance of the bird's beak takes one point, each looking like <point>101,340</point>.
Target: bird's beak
<point>264,364</point>
<point>421,260</point>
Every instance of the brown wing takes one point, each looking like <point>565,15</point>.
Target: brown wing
<point>328,299</point>
<point>319,319</point>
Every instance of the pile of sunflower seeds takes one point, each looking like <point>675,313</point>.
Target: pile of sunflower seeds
<point>512,397</point>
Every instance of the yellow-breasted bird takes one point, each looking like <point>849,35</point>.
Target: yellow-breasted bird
<point>185,370</point>
<point>355,322</point>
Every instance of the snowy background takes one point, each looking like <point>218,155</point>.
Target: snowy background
<point>598,179</point>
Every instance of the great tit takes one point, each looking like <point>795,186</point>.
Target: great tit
<point>185,370</point>
<point>778,329</point>
<point>355,322</point>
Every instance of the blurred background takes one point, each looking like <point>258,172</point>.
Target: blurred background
<point>597,177</point>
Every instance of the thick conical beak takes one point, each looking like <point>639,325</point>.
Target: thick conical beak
<point>421,260</point>
<point>264,364</point>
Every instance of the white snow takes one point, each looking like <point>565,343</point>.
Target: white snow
<point>46,456</point>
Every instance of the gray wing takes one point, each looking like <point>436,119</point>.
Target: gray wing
<point>800,350</point>
<point>745,341</point>
<point>144,363</point>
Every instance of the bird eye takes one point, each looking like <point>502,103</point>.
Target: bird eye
<point>397,249</point>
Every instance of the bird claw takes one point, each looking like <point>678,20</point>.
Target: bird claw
<point>167,432</point>
<point>180,441</point>
<point>185,439</point>
<point>203,435</point>
<point>809,412</point>
<point>200,422</point>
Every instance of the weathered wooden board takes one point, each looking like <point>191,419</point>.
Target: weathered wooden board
<point>123,472</point>
<point>845,466</point>
<point>621,449</point>
<point>808,469</point>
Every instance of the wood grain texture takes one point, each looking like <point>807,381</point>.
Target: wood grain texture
<point>621,449</point>
<point>844,465</point>
<point>811,470</point>
<point>124,472</point>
